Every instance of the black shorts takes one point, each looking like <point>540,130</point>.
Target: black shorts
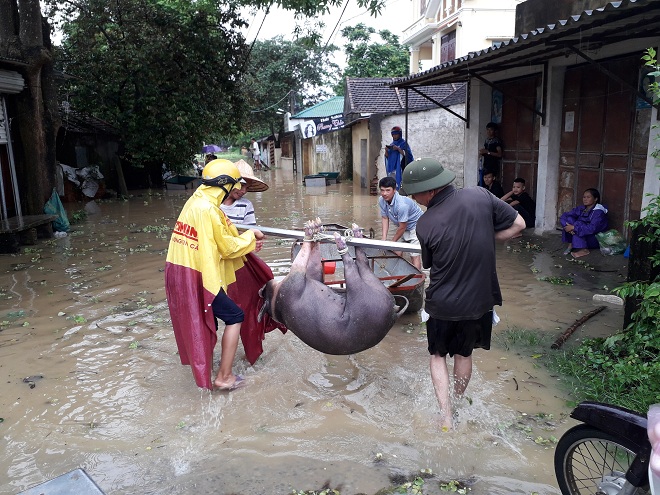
<point>459,337</point>
<point>226,310</point>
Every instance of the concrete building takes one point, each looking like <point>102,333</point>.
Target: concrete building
<point>447,29</point>
<point>372,108</point>
<point>571,96</point>
<point>322,141</point>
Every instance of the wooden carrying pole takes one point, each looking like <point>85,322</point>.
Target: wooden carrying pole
<point>569,331</point>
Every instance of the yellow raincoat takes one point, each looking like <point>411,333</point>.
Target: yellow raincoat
<point>204,254</point>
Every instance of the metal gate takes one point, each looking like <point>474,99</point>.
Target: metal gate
<point>519,131</point>
<point>604,139</point>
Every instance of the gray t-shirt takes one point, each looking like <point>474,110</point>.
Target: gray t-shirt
<point>457,236</point>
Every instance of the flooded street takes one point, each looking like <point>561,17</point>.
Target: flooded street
<point>85,318</point>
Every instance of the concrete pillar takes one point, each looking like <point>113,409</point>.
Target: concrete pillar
<point>651,181</point>
<point>414,59</point>
<point>547,184</point>
<point>475,135</point>
<point>435,51</point>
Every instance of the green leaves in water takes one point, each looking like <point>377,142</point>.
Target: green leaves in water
<point>557,280</point>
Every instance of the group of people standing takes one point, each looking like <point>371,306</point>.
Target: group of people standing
<point>456,233</point>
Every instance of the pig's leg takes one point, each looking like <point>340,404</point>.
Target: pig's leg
<point>362,262</point>
<point>314,265</point>
<point>308,260</point>
<point>351,271</point>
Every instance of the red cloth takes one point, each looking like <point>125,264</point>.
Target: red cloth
<point>192,320</point>
<point>245,292</point>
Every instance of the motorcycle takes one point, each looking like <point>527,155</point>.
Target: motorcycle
<point>608,454</point>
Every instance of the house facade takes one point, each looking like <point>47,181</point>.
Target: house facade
<point>571,100</point>
<point>372,108</point>
<point>447,29</point>
<point>321,139</point>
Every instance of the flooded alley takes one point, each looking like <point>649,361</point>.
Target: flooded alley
<point>85,318</point>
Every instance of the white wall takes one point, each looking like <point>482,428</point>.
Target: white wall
<point>432,133</point>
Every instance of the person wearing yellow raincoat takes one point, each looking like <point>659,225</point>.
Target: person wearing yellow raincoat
<point>204,254</point>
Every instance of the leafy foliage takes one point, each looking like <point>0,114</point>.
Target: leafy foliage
<point>365,58</point>
<point>623,369</point>
<point>163,72</point>
<point>278,69</point>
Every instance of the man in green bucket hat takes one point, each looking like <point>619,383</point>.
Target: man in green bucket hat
<point>457,234</point>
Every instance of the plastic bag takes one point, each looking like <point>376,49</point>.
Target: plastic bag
<point>54,207</point>
<point>611,242</point>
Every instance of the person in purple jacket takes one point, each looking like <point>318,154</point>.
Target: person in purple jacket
<point>582,223</point>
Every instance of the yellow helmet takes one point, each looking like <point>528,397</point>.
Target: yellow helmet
<point>221,173</point>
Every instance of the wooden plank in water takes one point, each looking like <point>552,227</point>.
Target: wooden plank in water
<point>24,222</point>
<point>351,241</point>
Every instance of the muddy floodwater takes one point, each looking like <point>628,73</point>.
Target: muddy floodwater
<point>91,377</point>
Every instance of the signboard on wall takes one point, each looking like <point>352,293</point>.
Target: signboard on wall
<point>322,125</point>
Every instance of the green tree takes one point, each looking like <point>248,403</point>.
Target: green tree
<point>163,72</point>
<point>118,52</point>
<point>365,58</point>
<point>280,72</point>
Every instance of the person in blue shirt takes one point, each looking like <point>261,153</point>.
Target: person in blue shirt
<point>397,155</point>
<point>403,212</point>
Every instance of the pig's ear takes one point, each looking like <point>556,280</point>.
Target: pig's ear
<point>264,309</point>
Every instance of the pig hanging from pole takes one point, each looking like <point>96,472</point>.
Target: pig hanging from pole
<point>328,321</point>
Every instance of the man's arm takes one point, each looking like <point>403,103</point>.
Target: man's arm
<point>386,227</point>
<point>400,231</point>
<point>515,229</point>
<point>507,196</point>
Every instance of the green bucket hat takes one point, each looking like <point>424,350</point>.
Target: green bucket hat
<point>424,174</point>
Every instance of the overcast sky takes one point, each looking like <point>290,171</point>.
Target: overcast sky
<point>397,15</point>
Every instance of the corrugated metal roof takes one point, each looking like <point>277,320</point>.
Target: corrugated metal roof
<point>333,106</point>
<point>615,22</point>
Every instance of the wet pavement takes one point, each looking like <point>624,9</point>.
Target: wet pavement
<point>85,319</point>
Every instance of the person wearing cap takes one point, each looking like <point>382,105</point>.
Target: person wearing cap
<point>457,235</point>
<point>397,155</point>
<point>204,253</point>
<point>238,208</point>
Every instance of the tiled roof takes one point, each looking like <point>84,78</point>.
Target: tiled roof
<point>75,121</point>
<point>374,95</point>
<point>629,19</point>
<point>333,106</point>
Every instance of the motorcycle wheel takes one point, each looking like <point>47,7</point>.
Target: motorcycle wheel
<point>590,461</point>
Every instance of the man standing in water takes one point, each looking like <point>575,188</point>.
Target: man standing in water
<point>457,235</point>
<point>204,254</point>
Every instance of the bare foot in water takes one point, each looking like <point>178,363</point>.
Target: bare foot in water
<point>232,384</point>
<point>579,253</point>
<point>446,422</point>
